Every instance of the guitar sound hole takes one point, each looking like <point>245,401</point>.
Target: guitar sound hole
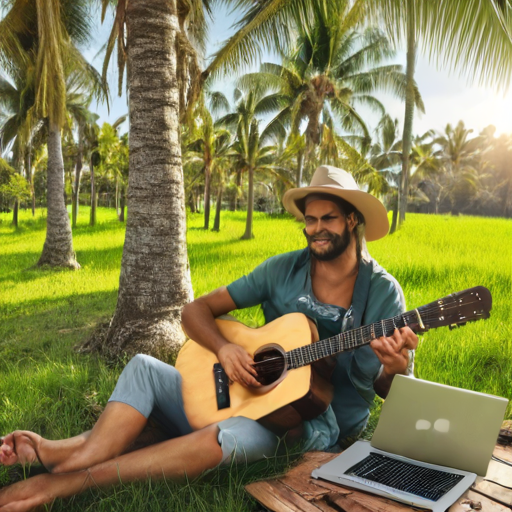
<point>270,365</point>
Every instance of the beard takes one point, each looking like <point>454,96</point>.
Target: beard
<point>338,244</point>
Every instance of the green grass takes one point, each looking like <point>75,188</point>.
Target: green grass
<point>47,387</point>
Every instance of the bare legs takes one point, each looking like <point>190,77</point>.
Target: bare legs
<point>188,455</point>
<point>117,428</point>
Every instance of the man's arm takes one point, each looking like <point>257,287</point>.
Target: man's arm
<point>393,353</point>
<point>198,319</point>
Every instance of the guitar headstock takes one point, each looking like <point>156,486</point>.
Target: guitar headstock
<point>455,309</point>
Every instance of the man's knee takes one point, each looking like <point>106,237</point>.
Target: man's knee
<point>142,361</point>
<point>155,372</point>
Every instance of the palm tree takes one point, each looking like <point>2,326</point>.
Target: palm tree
<point>460,161</point>
<point>16,130</point>
<point>13,188</point>
<point>48,31</point>
<point>252,151</point>
<point>152,290</point>
<point>207,144</point>
<point>87,132</point>
<point>210,148</point>
<point>332,70</point>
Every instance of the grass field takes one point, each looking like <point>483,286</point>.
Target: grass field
<point>45,386</point>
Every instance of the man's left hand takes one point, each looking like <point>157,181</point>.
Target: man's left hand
<point>393,351</point>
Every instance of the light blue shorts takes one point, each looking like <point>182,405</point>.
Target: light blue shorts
<point>154,389</point>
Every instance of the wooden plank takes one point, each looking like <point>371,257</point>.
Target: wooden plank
<point>503,452</point>
<point>494,492</point>
<point>500,473</point>
<point>278,497</point>
<point>376,503</point>
<point>469,501</point>
<point>299,478</point>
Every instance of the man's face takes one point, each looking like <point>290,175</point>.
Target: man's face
<point>326,231</point>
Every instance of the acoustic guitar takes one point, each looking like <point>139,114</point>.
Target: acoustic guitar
<point>292,389</point>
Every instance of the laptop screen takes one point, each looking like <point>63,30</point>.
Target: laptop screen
<point>439,424</point>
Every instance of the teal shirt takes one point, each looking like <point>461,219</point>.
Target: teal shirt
<point>282,284</point>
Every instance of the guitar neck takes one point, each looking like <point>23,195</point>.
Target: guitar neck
<point>455,309</point>
<point>349,340</point>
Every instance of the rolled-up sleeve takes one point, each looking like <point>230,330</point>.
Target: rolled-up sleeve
<point>252,289</point>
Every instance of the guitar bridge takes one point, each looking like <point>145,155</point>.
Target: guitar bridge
<point>221,387</point>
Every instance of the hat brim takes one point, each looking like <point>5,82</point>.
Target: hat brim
<point>374,212</point>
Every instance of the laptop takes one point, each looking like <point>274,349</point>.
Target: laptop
<point>430,444</point>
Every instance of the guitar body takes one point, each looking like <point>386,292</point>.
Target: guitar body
<point>297,395</point>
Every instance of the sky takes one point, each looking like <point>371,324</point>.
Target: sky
<point>448,97</point>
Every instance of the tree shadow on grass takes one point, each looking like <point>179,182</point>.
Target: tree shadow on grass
<point>37,327</point>
<point>25,268</point>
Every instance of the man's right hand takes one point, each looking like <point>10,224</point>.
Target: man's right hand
<point>237,364</point>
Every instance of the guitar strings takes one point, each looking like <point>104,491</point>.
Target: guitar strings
<point>428,312</point>
<point>317,350</point>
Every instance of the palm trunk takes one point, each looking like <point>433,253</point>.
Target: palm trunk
<point>94,196</point>
<point>409,114</point>
<point>207,183</point>
<point>31,181</point>
<point>300,168</point>
<point>250,207</point>
<point>58,246</point>
<point>192,201</point>
<point>155,282</point>
<point>218,207</point>
<point>116,198</point>
<point>395,216</point>
<point>239,188</point>
<point>78,173</point>
<point>15,211</point>
<point>122,201</point>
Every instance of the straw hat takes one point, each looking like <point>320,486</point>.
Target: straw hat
<point>336,182</point>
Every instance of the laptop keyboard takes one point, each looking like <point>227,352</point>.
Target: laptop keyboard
<point>428,483</point>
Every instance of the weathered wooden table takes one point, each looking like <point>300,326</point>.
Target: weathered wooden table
<point>296,491</point>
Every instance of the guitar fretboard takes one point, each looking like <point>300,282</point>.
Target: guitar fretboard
<point>348,340</point>
<point>455,309</point>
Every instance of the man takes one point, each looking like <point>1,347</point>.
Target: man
<point>333,281</point>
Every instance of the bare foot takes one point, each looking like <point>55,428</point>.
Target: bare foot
<point>19,447</point>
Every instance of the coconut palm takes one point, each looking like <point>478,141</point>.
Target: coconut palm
<point>207,144</point>
<point>16,132</point>
<point>496,159</point>
<point>48,31</point>
<point>332,70</point>
<point>251,144</point>
<point>13,188</point>
<point>460,161</point>
<point>210,147</point>
<point>167,35</point>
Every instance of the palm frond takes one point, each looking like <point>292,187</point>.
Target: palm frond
<point>471,36</point>
<point>265,26</point>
